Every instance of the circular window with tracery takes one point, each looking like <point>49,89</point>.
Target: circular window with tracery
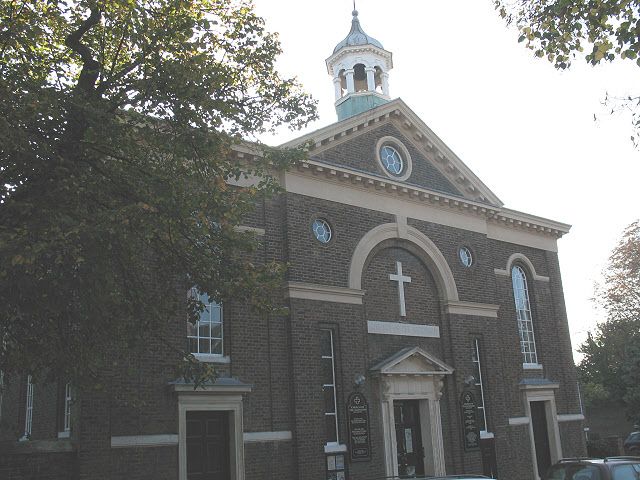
<point>394,158</point>
<point>466,256</point>
<point>322,230</point>
<point>391,159</point>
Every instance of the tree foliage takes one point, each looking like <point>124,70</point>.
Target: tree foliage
<point>117,123</point>
<point>610,369</point>
<point>560,30</point>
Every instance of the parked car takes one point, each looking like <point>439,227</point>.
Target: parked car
<point>632,444</point>
<point>441,477</point>
<point>610,468</point>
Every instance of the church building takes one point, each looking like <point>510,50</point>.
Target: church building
<point>426,330</point>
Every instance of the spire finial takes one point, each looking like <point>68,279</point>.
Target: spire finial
<point>355,12</point>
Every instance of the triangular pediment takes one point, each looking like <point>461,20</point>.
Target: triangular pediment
<point>413,361</point>
<point>414,131</point>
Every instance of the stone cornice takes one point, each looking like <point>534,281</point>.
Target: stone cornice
<point>351,49</point>
<point>323,293</point>
<point>472,308</point>
<point>499,217</point>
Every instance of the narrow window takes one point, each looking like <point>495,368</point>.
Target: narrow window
<point>477,375</point>
<point>205,335</point>
<point>67,408</point>
<point>1,391</point>
<point>523,313</point>
<point>329,386</point>
<point>28,418</point>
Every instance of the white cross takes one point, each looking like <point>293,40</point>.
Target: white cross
<point>401,279</point>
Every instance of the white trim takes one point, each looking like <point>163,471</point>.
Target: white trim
<point>254,437</point>
<point>396,144</point>
<point>532,366</point>
<point>486,435</point>
<point>256,230</point>
<point>224,397</point>
<point>523,258</point>
<point>430,254</point>
<point>323,293</point>
<point>519,421</point>
<point>334,448</point>
<point>404,329</point>
<point>471,308</point>
<point>570,417</point>
<point>212,358</point>
<point>161,440</point>
<point>543,393</point>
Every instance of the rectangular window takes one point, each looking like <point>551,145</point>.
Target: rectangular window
<point>28,418</point>
<point>477,374</point>
<point>205,335</point>
<point>329,386</point>
<point>1,391</point>
<point>67,408</point>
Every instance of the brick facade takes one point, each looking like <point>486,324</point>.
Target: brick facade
<point>376,221</point>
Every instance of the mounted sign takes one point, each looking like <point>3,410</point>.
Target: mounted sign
<point>359,442</point>
<point>470,432</point>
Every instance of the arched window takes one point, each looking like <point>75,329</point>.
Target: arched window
<point>523,313</point>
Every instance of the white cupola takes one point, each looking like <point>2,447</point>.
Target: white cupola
<point>360,68</point>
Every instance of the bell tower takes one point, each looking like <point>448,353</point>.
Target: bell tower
<point>360,68</point>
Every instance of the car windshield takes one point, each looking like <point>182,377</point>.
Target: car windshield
<point>574,472</point>
<point>625,472</point>
<point>634,437</point>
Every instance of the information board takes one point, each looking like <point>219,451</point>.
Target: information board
<point>358,413</point>
<point>470,432</point>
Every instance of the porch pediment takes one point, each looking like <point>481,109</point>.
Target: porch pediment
<point>412,361</point>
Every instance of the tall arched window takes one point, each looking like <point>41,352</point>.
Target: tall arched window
<point>523,313</point>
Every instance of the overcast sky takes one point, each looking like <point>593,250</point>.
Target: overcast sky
<point>526,130</point>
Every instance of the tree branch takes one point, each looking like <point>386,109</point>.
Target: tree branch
<point>91,67</point>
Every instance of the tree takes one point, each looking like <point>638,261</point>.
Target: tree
<point>560,30</point>
<point>117,123</point>
<point>609,369</point>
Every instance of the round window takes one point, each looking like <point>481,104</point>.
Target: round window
<point>391,159</point>
<point>465,256</point>
<point>322,230</point>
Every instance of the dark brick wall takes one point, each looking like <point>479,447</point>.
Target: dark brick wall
<point>314,262</point>
<point>40,466</point>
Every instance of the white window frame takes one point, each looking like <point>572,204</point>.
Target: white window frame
<point>524,316</point>
<point>218,397</point>
<point>1,391</point>
<point>332,356</point>
<point>28,414</point>
<point>209,304</point>
<point>66,416</point>
<point>478,381</point>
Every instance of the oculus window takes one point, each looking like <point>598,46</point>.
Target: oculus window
<point>394,158</point>
<point>466,256</point>
<point>322,230</point>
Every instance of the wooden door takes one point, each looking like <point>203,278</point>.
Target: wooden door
<point>208,446</point>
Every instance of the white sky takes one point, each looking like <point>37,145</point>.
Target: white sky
<point>526,130</point>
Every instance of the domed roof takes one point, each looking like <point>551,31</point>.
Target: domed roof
<point>357,36</point>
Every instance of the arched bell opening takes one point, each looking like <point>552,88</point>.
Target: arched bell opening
<point>377,75</point>
<point>360,78</point>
